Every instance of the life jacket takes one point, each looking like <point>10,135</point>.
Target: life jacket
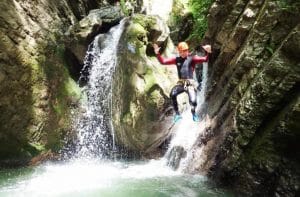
<point>184,67</point>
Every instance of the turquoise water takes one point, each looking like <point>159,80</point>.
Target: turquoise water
<point>104,179</point>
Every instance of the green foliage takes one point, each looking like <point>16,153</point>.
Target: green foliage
<point>33,149</point>
<point>138,31</point>
<point>178,11</point>
<point>270,50</point>
<point>199,9</point>
<point>127,6</point>
<point>292,6</point>
<point>123,7</point>
<point>145,21</point>
<point>270,47</point>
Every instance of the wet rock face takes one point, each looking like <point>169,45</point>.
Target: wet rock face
<point>141,108</point>
<point>182,30</point>
<point>253,97</point>
<point>36,89</point>
<point>83,33</point>
<point>174,156</point>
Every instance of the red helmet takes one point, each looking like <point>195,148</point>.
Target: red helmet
<point>182,46</point>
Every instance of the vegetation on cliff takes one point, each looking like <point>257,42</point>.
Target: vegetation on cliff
<point>199,10</point>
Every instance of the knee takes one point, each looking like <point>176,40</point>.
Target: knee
<point>194,103</point>
<point>173,94</point>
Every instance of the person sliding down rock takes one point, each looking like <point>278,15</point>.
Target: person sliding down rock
<point>185,64</point>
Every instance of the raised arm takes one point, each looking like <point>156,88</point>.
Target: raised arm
<point>162,60</point>
<point>197,59</point>
<point>166,61</point>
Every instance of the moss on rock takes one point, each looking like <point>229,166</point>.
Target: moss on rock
<point>141,87</point>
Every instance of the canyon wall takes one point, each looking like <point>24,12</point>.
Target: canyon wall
<point>253,103</point>
<point>37,89</point>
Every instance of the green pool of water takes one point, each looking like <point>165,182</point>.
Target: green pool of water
<point>104,179</point>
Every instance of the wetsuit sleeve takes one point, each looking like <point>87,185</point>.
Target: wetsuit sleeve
<point>198,59</point>
<point>166,61</point>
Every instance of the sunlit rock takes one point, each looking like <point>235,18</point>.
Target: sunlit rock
<point>141,108</point>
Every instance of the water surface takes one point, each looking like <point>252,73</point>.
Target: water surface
<point>104,179</point>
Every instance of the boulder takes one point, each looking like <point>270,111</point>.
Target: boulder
<point>141,107</point>
<point>82,33</point>
<point>174,157</point>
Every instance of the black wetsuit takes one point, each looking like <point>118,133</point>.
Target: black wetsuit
<point>185,69</point>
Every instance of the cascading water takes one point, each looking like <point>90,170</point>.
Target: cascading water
<point>185,135</point>
<point>201,96</point>
<point>95,138</point>
<point>158,7</point>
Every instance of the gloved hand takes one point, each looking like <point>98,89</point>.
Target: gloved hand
<point>156,48</point>
<point>207,48</point>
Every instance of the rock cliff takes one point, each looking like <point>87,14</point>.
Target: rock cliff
<point>37,91</point>
<point>251,143</point>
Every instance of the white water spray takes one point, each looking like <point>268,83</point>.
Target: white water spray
<point>93,126</point>
<point>201,95</point>
<point>187,131</point>
<point>159,7</point>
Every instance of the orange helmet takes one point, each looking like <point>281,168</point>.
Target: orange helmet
<point>182,46</point>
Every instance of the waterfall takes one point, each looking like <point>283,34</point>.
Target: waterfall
<point>95,136</point>
<point>187,131</point>
<point>201,96</point>
<point>158,7</point>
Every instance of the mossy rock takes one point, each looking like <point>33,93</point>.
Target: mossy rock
<point>141,88</point>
